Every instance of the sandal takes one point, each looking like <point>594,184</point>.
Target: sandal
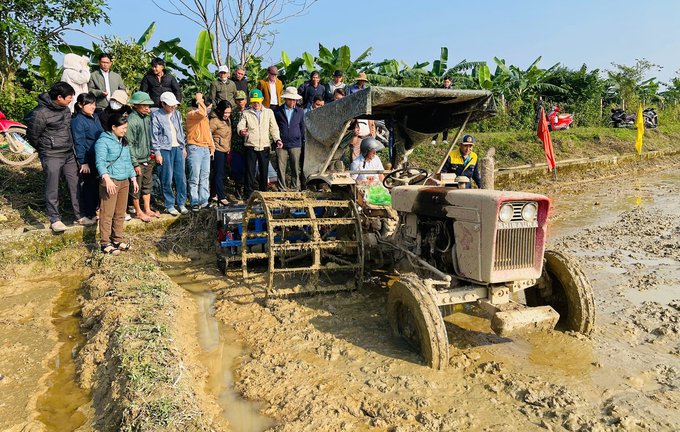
<point>224,202</point>
<point>110,249</point>
<point>122,246</point>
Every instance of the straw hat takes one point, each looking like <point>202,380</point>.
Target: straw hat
<point>291,93</point>
<point>362,77</point>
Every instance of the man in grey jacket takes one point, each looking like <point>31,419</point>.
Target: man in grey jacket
<point>49,131</point>
<point>104,82</point>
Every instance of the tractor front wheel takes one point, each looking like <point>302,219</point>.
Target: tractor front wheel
<point>414,315</point>
<point>565,288</point>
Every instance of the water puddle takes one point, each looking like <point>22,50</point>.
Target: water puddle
<point>59,407</point>
<point>221,351</point>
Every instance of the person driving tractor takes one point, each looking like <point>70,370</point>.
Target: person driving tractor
<point>464,161</point>
<point>368,161</point>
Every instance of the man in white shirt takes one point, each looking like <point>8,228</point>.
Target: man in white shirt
<point>368,161</point>
<point>104,82</point>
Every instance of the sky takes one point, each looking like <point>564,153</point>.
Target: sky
<point>574,32</point>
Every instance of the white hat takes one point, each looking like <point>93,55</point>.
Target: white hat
<point>169,98</point>
<point>291,93</point>
<point>223,68</point>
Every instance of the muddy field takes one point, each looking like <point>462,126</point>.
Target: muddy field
<point>330,362</point>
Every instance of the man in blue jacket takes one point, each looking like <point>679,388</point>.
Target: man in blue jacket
<point>463,162</point>
<point>291,121</point>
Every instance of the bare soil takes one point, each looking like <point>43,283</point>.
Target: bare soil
<point>330,362</point>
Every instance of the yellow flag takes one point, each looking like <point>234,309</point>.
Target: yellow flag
<point>639,122</point>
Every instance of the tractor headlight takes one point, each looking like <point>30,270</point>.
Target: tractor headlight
<point>529,211</point>
<point>505,215</point>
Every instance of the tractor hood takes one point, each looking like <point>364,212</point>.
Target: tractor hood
<point>416,113</point>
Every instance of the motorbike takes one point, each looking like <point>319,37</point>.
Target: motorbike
<point>558,120</point>
<point>14,149</point>
<point>620,118</point>
<point>650,118</point>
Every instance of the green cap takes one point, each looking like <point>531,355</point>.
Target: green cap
<point>240,95</point>
<point>256,96</point>
<point>140,98</point>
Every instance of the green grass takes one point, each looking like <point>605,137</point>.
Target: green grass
<point>516,148</point>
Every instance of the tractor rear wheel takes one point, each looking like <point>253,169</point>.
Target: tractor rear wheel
<point>565,288</point>
<point>414,315</point>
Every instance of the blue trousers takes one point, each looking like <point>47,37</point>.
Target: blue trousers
<point>198,159</point>
<point>174,169</point>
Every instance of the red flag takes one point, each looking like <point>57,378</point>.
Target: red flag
<point>544,134</point>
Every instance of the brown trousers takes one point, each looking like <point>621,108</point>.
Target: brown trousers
<point>112,211</point>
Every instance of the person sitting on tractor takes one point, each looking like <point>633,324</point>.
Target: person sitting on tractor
<point>464,161</point>
<point>368,161</point>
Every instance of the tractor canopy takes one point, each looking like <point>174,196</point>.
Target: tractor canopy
<point>412,116</point>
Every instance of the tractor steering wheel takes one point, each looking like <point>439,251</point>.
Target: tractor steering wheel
<point>405,176</point>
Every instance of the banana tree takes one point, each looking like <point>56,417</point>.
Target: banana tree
<point>523,85</point>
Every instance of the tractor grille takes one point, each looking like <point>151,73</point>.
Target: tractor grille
<point>515,248</point>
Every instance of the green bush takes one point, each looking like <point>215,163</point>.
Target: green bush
<point>18,98</point>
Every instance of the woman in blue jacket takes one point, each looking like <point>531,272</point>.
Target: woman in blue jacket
<point>86,129</point>
<point>115,167</point>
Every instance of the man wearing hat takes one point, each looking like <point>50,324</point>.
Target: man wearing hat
<point>222,88</point>
<point>271,88</point>
<point>291,122</point>
<point>332,86</point>
<point>117,105</point>
<point>169,145</point>
<point>257,126</point>
<point>463,162</point>
<point>139,138</point>
<point>361,80</point>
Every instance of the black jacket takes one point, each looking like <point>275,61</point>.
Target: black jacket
<point>242,85</point>
<point>49,128</point>
<point>155,88</point>
<point>292,135</point>
<point>108,112</point>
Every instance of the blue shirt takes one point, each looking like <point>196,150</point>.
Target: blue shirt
<point>289,112</point>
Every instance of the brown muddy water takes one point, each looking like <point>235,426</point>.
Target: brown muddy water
<point>60,406</point>
<point>221,353</point>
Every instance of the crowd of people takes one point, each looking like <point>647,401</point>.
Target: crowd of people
<point>107,144</point>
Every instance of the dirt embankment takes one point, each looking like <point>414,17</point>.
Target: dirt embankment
<point>141,356</point>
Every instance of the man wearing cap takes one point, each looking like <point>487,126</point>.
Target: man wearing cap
<point>139,138</point>
<point>257,126</point>
<point>271,88</point>
<point>361,82</point>
<point>117,105</point>
<point>240,80</point>
<point>463,162</point>
<point>332,86</point>
<point>290,119</point>
<point>104,82</point>
<point>169,145</point>
<point>222,88</point>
